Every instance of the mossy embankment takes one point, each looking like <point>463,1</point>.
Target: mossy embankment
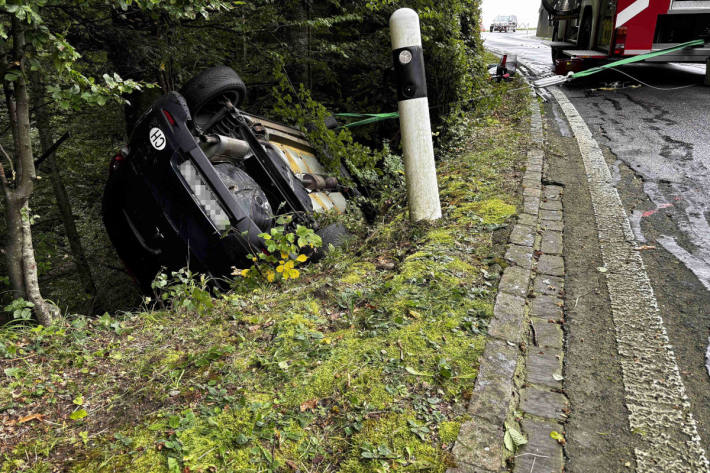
<point>362,364</point>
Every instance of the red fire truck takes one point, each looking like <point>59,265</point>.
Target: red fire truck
<point>584,30</point>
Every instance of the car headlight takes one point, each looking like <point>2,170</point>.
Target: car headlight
<point>205,196</point>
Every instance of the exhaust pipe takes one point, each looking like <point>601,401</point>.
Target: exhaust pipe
<point>225,148</point>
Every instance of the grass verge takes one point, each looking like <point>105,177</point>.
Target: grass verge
<point>363,364</point>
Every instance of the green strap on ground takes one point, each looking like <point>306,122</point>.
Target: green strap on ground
<point>641,57</point>
<point>371,118</point>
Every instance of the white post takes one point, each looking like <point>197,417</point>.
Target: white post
<point>420,170</point>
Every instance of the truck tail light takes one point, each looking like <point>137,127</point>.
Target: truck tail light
<point>620,41</point>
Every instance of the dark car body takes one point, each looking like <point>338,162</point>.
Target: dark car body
<point>168,205</point>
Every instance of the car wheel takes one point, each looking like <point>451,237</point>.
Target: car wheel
<point>334,234</point>
<point>206,92</point>
<point>248,194</point>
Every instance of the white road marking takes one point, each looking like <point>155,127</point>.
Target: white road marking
<point>658,407</point>
<point>631,11</point>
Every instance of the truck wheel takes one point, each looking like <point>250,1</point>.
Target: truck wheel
<point>205,93</point>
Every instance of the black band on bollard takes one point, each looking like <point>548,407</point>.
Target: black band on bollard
<point>409,69</point>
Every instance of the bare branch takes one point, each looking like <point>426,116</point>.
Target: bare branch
<point>12,167</point>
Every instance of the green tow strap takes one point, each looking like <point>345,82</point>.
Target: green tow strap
<point>371,118</point>
<point>641,57</point>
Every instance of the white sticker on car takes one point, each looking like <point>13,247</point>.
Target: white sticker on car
<point>157,138</point>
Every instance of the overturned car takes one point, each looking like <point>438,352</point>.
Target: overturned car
<point>200,179</point>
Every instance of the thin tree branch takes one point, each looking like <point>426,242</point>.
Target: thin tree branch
<point>12,166</point>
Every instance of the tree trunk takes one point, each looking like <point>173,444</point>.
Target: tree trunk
<point>18,197</point>
<point>13,247</point>
<point>45,312</point>
<point>60,193</point>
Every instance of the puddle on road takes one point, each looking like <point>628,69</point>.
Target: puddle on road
<point>699,267</point>
<point>561,121</point>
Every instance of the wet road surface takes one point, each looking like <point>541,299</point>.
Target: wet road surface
<point>657,144</point>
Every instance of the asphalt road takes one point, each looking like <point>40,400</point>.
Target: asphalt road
<point>656,140</point>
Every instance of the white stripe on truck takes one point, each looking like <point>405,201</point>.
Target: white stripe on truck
<point>631,11</point>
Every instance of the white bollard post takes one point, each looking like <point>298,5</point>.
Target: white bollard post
<point>420,169</point>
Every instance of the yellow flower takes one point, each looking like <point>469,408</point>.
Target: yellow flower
<point>289,265</point>
<point>284,255</point>
<point>244,272</point>
<point>270,276</point>
<point>280,268</point>
<point>301,258</point>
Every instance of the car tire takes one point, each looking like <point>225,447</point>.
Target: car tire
<point>334,234</point>
<point>205,92</point>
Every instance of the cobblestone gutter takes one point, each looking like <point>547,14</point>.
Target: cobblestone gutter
<point>520,376</point>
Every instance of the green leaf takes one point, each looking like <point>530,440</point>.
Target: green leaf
<point>556,435</point>
<point>518,438</point>
<point>414,372</point>
<point>173,465</point>
<point>79,400</point>
<point>508,442</point>
<point>77,415</point>
<point>12,372</point>
<point>513,438</point>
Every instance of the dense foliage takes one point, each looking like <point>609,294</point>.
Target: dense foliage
<point>86,54</point>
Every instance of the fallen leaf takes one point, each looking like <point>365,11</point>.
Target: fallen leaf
<point>309,405</point>
<point>414,372</point>
<point>77,415</point>
<point>645,247</point>
<point>602,269</point>
<point>559,437</point>
<point>292,464</point>
<point>30,417</point>
<point>557,377</point>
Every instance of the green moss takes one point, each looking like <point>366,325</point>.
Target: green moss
<point>440,236</point>
<point>449,432</point>
<point>392,433</point>
<point>461,267</point>
<point>357,273</point>
<point>491,211</point>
